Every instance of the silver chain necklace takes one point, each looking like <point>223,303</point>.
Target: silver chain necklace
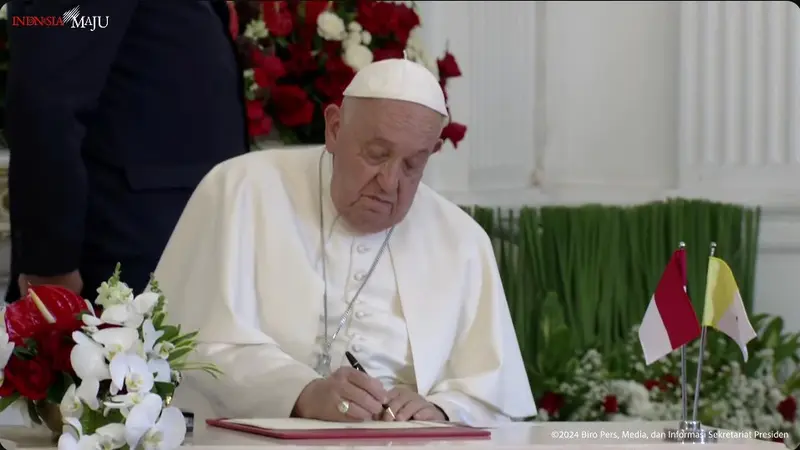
<point>323,366</point>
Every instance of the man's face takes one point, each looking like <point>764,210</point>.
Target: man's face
<point>380,148</point>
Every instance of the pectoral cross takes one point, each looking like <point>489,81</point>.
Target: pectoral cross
<point>323,366</point>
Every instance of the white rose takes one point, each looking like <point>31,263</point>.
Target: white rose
<point>415,38</point>
<point>357,57</point>
<point>353,38</point>
<point>355,27</point>
<point>366,38</point>
<point>256,29</point>
<point>331,27</point>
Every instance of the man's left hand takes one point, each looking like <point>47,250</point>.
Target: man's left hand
<point>408,405</point>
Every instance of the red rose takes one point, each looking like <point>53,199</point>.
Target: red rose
<point>292,106</point>
<point>233,21</point>
<point>670,380</point>
<point>651,384</point>
<point>403,21</point>
<point>448,67</point>
<point>375,17</point>
<point>380,54</point>
<point>454,132</point>
<point>43,307</point>
<point>301,60</point>
<point>383,19</point>
<point>337,76</point>
<point>552,402</point>
<point>258,123</point>
<point>267,69</point>
<point>610,404</point>
<point>788,409</point>
<point>277,18</point>
<point>31,377</point>
<point>56,346</point>
<point>311,11</point>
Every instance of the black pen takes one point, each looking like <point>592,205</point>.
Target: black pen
<point>357,365</point>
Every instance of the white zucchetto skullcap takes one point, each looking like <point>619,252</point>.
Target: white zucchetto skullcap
<point>398,79</point>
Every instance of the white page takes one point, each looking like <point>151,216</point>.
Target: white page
<point>309,424</point>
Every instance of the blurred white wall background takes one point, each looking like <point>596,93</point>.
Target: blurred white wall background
<point>621,102</point>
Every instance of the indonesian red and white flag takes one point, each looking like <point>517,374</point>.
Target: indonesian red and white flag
<point>670,320</point>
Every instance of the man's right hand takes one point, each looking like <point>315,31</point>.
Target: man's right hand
<point>71,281</point>
<point>322,398</point>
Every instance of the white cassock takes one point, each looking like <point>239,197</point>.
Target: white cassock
<point>244,266</point>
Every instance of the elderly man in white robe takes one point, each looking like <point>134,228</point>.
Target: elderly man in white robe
<point>289,262</point>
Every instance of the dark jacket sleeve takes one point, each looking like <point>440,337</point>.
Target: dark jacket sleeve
<point>56,76</point>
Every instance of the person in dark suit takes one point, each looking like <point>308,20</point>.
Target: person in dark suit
<point>110,129</point>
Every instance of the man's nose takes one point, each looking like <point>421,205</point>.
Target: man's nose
<point>389,176</point>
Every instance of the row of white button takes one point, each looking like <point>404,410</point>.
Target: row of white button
<point>359,276</point>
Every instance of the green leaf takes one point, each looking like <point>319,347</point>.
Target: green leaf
<point>186,338</point>
<point>176,354</point>
<point>5,402</point>
<point>32,412</point>
<point>158,320</point>
<point>164,389</point>
<point>59,386</point>
<point>170,333</point>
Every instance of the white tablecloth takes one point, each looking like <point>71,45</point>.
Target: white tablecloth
<point>556,435</point>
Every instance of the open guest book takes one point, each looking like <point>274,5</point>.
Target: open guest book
<point>317,429</point>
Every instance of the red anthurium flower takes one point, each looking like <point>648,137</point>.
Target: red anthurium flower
<point>42,308</point>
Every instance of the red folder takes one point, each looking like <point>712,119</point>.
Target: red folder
<point>452,431</point>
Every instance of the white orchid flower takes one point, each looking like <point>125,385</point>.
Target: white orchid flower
<point>88,358</point>
<point>145,302</point>
<point>108,437</point>
<point>160,367</point>
<point>71,405</point>
<point>131,314</point>
<point>151,335</point>
<point>150,427</point>
<point>124,403</point>
<point>152,348</point>
<point>117,340</point>
<point>162,350</point>
<point>157,353</point>
<point>6,350</point>
<point>87,393</point>
<point>75,397</point>
<point>112,436</point>
<point>91,323</point>
<point>130,372</point>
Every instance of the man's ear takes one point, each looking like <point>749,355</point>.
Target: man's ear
<point>333,123</point>
<point>438,146</point>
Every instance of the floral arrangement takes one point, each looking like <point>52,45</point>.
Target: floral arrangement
<point>301,55</point>
<point>759,395</point>
<point>98,380</point>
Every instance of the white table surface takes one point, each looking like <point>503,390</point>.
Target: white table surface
<point>556,435</point>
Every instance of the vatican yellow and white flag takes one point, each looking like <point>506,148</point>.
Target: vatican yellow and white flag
<point>724,308</point>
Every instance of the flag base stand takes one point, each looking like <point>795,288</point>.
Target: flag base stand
<point>690,432</point>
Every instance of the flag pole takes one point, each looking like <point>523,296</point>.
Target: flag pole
<point>700,358</point>
<point>684,400</point>
<point>691,431</point>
